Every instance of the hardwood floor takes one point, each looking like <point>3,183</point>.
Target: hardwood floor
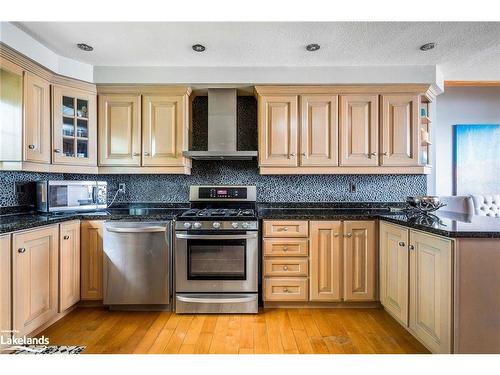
<point>294,331</point>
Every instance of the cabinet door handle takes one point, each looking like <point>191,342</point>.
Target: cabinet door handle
<point>146,154</point>
<point>66,237</point>
<point>136,154</point>
<point>31,147</point>
<point>57,150</point>
<point>411,247</point>
<point>292,155</point>
<point>304,155</point>
<point>385,153</point>
<point>348,235</point>
<point>21,250</point>
<point>371,154</point>
<point>401,244</point>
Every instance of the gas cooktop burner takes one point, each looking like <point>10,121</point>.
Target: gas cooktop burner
<point>219,212</point>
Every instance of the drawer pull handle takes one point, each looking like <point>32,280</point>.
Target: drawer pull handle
<point>411,247</point>
<point>57,150</point>
<point>285,248</point>
<point>284,229</point>
<point>285,268</point>
<point>401,244</point>
<point>66,237</point>
<point>285,290</point>
<point>31,147</point>
<point>21,250</point>
<point>348,235</point>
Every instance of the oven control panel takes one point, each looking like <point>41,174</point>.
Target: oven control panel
<point>217,225</point>
<point>222,192</point>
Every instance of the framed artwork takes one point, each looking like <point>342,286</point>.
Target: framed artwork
<point>476,159</point>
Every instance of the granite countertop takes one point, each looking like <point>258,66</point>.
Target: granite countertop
<point>444,224</point>
<point>28,220</point>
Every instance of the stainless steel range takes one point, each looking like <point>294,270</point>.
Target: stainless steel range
<point>216,251</point>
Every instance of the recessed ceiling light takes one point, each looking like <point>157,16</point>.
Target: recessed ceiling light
<point>313,47</point>
<point>198,47</point>
<point>427,46</point>
<point>85,47</point>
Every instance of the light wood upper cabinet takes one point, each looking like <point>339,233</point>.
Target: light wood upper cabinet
<point>163,130</point>
<point>119,130</point>
<point>11,111</point>
<point>394,270</point>
<point>5,288</point>
<point>278,121</point>
<point>36,144</point>
<point>359,130</point>
<point>325,260</point>
<point>319,130</point>
<point>91,259</point>
<point>359,260</point>
<point>431,290</point>
<point>69,264</point>
<point>400,130</point>
<point>74,128</point>
<point>35,278</point>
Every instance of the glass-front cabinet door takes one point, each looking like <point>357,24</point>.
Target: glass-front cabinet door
<point>74,135</point>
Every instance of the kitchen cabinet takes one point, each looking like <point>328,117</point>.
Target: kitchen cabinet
<point>278,130</point>
<point>34,278</point>
<point>286,228</point>
<point>286,289</point>
<point>431,290</point>
<point>400,130</point>
<point>359,130</point>
<point>325,260</point>
<point>119,122</point>
<point>143,129</point>
<point>359,261</point>
<point>74,132</point>
<point>36,143</point>
<point>164,130</point>
<point>394,259</point>
<point>319,130</point>
<point>91,259</point>
<point>69,264</point>
<point>5,288</point>
<point>11,112</point>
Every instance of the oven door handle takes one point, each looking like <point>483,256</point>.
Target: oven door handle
<point>216,300</point>
<point>183,236</point>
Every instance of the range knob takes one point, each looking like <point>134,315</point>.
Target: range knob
<point>234,225</point>
<point>245,225</point>
<point>216,225</point>
<point>197,225</point>
<point>187,225</point>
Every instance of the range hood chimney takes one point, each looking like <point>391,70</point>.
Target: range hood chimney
<point>222,129</point>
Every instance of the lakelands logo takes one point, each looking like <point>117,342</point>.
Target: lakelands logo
<point>11,342</point>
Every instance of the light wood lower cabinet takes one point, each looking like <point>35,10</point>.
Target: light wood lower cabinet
<point>69,264</point>
<point>359,261</point>
<point>325,261</point>
<point>431,290</point>
<point>91,259</point>
<point>34,278</point>
<point>340,255</point>
<point>5,288</point>
<point>393,262</point>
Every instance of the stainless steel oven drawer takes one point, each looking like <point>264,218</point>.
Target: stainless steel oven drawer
<point>216,303</point>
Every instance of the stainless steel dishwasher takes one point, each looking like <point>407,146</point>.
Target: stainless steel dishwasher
<point>137,265</point>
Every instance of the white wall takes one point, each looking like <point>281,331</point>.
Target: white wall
<point>28,46</point>
<point>459,105</point>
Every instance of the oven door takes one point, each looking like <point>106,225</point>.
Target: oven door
<point>216,263</point>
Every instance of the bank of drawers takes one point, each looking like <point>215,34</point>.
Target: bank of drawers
<point>286,262</point>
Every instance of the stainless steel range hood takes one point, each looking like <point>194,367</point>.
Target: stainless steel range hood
<point>222,129</point>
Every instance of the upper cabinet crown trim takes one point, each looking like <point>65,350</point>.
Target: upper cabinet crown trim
<point>144,89</point>
<point>425,89</point>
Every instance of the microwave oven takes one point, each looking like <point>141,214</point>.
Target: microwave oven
<point>60,196</point>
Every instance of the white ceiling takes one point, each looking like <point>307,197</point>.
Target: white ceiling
<point>464,50</point>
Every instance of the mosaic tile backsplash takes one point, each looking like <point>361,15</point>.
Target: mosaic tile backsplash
<point>175,188</point>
